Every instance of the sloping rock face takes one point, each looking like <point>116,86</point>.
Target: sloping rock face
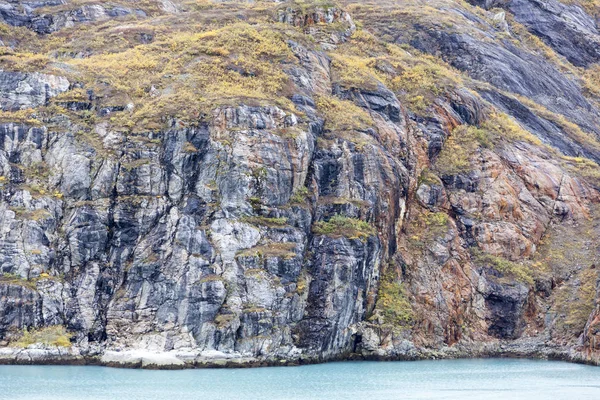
<point>567,28</point>
<point>32,15</point>
<point>288,185</point>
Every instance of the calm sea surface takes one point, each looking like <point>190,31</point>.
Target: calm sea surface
<point>452,379</point>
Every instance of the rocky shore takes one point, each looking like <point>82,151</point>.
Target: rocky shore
<point>213,359</point>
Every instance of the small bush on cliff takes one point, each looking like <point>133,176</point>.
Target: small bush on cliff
<point>465,140</point>
<point>56,335</point>
<point>520,272</point>
<point>14,279</point>
<point>340,226</point>
<point>422,82</point>
<point>459,148</point>
<point>500,126</point>
<point>342,115</point>
<point>265,221</point>
<point>299,196</point>
<point>354,72</point>
<point>427,177</point>
<point>26,117</point>
<point>426,227</point>
<point>392,302</point>
<point>285,251</point>
<point>211,278</point>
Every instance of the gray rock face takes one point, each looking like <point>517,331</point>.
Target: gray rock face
<point>431,195</point>
<point>19,307</point>
<point>342,276</point>
<point>27,90</point>
<point>151,261</point>
<point>18,13</point>
<point>568,29</point>
<point>548,131</point>
<point>511,69</point>
<point>506,305</point>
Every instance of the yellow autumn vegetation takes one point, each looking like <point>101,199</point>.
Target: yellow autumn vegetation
<point>191,73</point>
<point>56,335</point>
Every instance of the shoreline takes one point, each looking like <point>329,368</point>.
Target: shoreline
<point>136,359</point>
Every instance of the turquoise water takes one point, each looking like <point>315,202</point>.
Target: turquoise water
<point>447,379</point>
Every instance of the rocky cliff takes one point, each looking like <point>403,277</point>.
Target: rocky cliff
<point>194,182</point>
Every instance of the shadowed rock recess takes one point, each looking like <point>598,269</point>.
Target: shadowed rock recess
<point>195,182</point>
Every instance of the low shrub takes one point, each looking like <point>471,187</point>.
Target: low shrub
<point>342,115</point>
<point>393,303</point>
<point>56,335</point>
<point>340,226</point>
<point>266,221</point>
<point>280,250</point>
<point>520,272</point>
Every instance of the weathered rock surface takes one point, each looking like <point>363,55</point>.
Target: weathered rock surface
<point>26,14</point>
<point>383,205</point>
<point>567,28</point>
<point>23,90</point>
